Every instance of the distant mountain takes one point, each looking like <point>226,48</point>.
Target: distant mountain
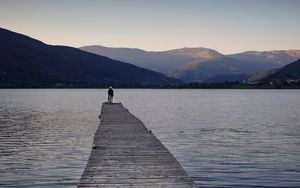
<point>26,62</point>
<point>200,64</point>
<point>206,71</point>
<point>288,72</point>
<point>256,77</point>
<point>164,61</point>
<point>246,63</point>
<point>275,58</point>
<point>227,78</point>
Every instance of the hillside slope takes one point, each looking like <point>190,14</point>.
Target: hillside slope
<point>288,72</point>
<point>209,70</point>
<point>26,62</point>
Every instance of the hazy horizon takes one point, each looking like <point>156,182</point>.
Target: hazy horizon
<point>151,50</point>
<point>229,27</point>
<point>184,47</point>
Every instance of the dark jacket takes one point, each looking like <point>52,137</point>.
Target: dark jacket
<point>110,92</point>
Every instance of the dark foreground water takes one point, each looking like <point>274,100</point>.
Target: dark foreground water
<point>223,138</point>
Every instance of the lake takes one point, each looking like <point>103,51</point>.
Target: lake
<point>222,138</point>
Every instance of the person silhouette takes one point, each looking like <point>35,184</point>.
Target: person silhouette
<point>110,93</point>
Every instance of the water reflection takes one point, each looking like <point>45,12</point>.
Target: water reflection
<point>45,137</point>
<point>227,138</point>
<point>223,138</point>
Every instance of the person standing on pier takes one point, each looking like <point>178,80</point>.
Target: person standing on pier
<point>110,93</point>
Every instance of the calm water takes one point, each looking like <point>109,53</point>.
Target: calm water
<point>223,138</point>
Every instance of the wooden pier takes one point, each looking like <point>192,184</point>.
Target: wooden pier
<point>126,154</point>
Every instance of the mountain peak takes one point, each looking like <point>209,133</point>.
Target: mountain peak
<point>100,47</point>
<point>204,53</point>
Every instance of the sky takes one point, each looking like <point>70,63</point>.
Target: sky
<point>228,26</point>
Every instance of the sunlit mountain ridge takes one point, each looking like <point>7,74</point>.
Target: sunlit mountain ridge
<point>200,64</point>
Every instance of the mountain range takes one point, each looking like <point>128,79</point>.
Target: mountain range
<point>27,62</point>
<point>200,64</point>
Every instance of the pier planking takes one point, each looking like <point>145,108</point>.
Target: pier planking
<point>126,154</point>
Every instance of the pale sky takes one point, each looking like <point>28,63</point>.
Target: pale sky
<point>229,26</point>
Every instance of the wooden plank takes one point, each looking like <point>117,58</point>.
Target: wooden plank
<point>126,154</point>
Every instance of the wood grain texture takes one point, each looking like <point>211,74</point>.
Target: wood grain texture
<point>126,154</point>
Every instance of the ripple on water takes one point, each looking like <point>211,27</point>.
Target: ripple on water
<point>223,138</point>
